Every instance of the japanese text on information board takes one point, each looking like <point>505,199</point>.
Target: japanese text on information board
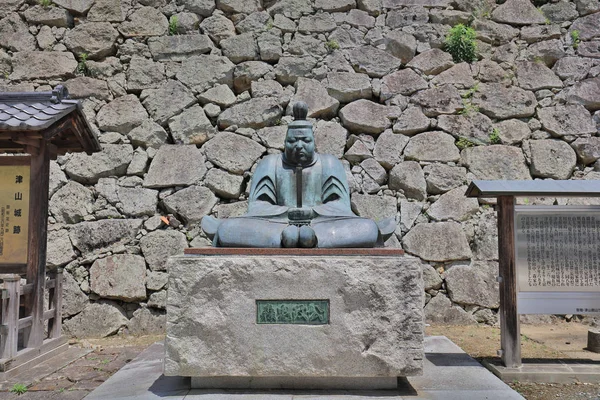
<point>14,213</point>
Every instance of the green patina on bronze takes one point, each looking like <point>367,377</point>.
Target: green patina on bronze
<point>298,312</point>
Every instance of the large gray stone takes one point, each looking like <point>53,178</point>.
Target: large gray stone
<point>496,162</point>
<point>586,93</point>
<point>374,207</point>
<point>401,45</point>
<point>512,131</point>
<point>440,100</point>
<point>388,148</point>
<point>218,27</point>
<point>374,62</point>
<point>438,241</point>
<point>224,184</point>
<point>405,82</point>
<point>274,136</point>
<point>60,250</point>
<point>365,116</point>
<point>97,320</point>
<point>560,12</point>
<point>547,51</point>
<point>347,86</point>
<point>431,62</point>
<point>112,160</point>
<point>290,68</point>
<point>96,39</point>
<point>459,75</point>
<point>234,153</point>
<point>318,23</point>
<point>51,16</point>
<point>108,10</point>
<point>372,330</point>
<point>240,48</point>
<point>491,32</point>
<point>147,321</point>
<point>314,94</point>
<point>191,203</point>
<point>14,34</point>
<point>551,158</point>
<point>335,5</point>
<point>440,310</point>
<point>220,95</point>
<point>408,177</point>
<point>204,8</point>
<point>587,149</point>
<point>192,126</point>
<point>453,205</point>
<point>474,284</point>
<point>588,26</point>
<point>148,134</point>
<point>407,16</point>
<point>412,121</point>
<point>120,277</point>
<point>122,114</point>
<point>517,12</point>
<point>239,6</point>
<point>75,6</point>
<point>254,113</point>
<point>247,72</point>
<point>330,138</point>
<point>71,203</point>
<point>443,177</point>
<point>202,72</point>
<point>500,102</point>
<point>103,235</point>
<point>83,87</point>
<point>145,21</point>
<point>536,76</point>
<point>176,165</point>
<point>32,65</point>
<point>573,69</point>
<point>159,245</point>
<point>74,300</point>
<point>167,100</point>
<point>432,146</point>
<point>567,120</point>
<point>473,126</point>
<point>178,47</point>
<point>144,74</point>
<point>485,240</point>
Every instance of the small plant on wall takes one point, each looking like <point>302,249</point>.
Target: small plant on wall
<point>460,43</point>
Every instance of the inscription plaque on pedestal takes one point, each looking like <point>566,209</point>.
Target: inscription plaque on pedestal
<point>558,258</point>
<point>299,312</point>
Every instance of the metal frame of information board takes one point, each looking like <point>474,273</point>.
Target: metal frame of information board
<point>506,192</point>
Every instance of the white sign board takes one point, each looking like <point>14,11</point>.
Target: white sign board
<point>557,255</point>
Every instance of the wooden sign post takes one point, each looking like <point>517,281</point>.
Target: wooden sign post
<point>40,125</point>
<point>548,270</point>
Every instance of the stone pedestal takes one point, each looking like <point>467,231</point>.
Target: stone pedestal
<point>359,320</point>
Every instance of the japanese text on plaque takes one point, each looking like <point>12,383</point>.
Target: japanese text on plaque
<point>558,251</point>
<point>14,213</point>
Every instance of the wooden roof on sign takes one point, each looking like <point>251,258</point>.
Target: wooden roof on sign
<point>554,188</point>
<point>44,118</point>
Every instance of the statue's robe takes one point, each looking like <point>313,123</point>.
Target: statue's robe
<point>273,192</point>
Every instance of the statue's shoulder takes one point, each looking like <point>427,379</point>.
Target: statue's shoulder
<point>331,162</point>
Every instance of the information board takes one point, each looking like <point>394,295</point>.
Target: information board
<point>14,214</point>
<point>557,257</point>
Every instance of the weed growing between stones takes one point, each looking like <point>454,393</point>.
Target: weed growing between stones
<point>82,65</point>
<point>575,40</point>
<point>173,25</point>
<point>460,43</point>
<point>332,45</point>
<point>18,389</point>
<point>462,143</point>
<point>46,3</point>
<point>495,136</point>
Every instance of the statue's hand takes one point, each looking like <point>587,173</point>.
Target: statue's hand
<point>300,214</point>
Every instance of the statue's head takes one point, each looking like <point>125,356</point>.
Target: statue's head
<point>300,140</point>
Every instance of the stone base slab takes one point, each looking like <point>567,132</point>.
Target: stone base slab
<point>375,327</point>
<point>291,382</point>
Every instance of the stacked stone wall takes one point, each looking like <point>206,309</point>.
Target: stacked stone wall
<point>187,95</point>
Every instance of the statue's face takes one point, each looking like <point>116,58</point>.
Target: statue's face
<point>300,146</point>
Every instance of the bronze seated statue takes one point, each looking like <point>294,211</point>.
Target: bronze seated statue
<point>299,199</point>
